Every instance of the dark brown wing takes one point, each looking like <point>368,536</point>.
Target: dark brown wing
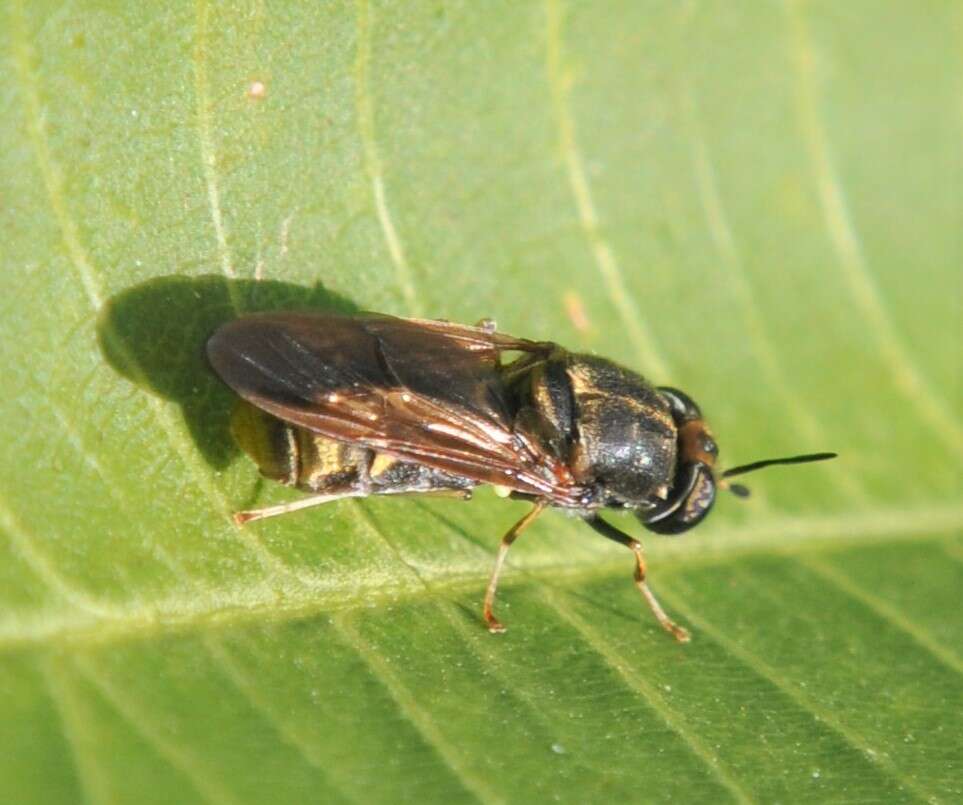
<point>423,391</point>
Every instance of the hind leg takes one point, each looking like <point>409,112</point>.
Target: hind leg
<point>294,505</point>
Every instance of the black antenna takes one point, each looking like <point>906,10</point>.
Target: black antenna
<point>768,462</point>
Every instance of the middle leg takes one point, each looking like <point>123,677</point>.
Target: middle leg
<point>494,625</point>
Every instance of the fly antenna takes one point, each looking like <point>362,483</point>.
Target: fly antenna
<point>768,462</point>
<point>743,492</point>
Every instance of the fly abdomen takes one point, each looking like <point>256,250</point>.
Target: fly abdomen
<point>301,458</point>
<point>298,457</point>
<point>267,440</point>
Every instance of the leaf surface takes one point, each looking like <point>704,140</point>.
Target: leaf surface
<point>760,206</point>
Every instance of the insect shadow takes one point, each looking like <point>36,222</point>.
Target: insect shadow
<point>154,334</point>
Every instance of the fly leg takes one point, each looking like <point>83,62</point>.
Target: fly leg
<point>494,626</point>
<point>295,505</point>
<point>612,533</point>
<point>359,491</point>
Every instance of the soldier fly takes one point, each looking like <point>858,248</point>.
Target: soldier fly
<point>351,406</point>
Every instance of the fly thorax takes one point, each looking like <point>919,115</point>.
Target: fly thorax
<point>626,444</point>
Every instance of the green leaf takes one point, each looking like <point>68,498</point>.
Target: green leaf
<point>757,203</point>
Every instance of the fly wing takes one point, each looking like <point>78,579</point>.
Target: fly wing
<point>427,392</point>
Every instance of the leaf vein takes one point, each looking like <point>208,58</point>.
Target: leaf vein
<point>72,433</point>
<point>418,717</point>
<point>634,682</point>
<point>206,141</point>
<point>287,732</point>
<point>247,604</point>
<point>364,107</point>
<point>849,251</point>
<point>25,545</point>
<point>761,668</point>
<point>92,286</point>
<point>171,751</point>
<point>560,80</point>
<point>49,169</point>
<point>473,638</point>
<point>884,610</point>
<point>93,782</point>
<point>759,338</point>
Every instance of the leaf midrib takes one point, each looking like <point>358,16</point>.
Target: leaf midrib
<point>229,606</point>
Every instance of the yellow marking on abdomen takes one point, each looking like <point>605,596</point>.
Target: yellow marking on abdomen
<point>381,464</point>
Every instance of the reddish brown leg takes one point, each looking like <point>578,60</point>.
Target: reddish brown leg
<point>494,626</point>
<point>612,533</point>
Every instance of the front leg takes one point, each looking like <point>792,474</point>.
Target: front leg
<point>612,533</point>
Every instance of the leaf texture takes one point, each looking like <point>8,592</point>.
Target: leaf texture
<point>759,205</point>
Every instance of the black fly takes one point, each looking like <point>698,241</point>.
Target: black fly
<point>350,406</point>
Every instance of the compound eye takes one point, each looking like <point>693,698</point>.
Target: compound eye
<point>683,407</point>
<point>689,502</point>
